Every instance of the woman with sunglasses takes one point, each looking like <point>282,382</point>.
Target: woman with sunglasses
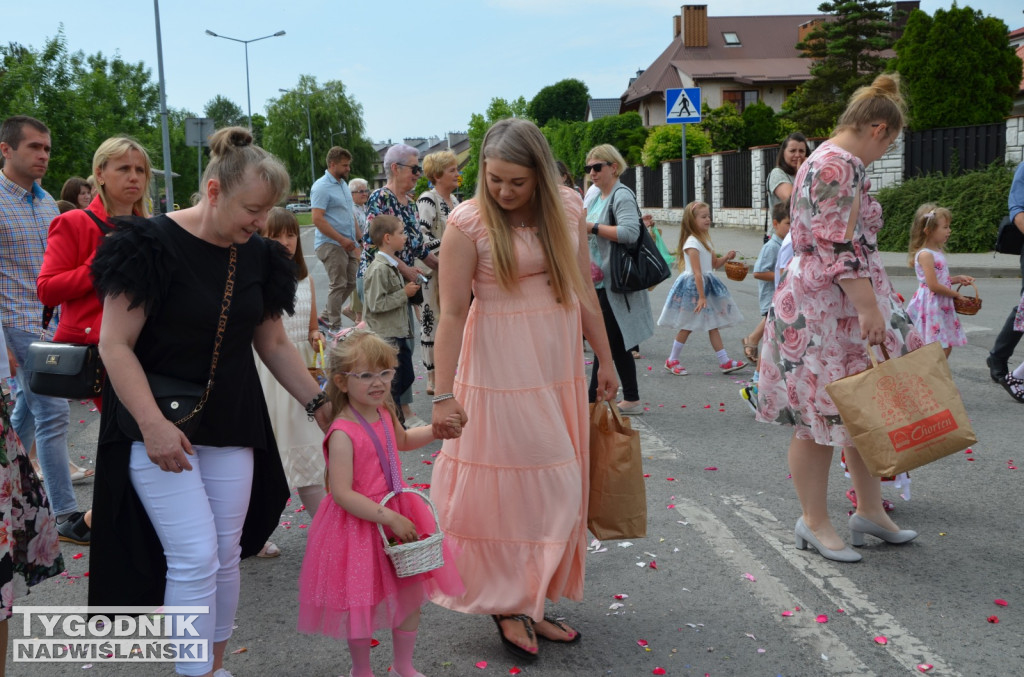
<point>614,216</point>
<point>402,169</point>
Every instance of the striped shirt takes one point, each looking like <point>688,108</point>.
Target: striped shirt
<point>25,217</point>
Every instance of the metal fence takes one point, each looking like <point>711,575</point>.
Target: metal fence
<point>953,150</point>
<point>736,188</point>
<point>652,187</point>
<point>628,178</point>
<point>676,177</point>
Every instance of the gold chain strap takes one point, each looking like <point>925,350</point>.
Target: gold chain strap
<point>222,323</point>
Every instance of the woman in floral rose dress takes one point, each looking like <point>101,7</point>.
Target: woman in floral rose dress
<point>29,549</point>
<point>834,298</point>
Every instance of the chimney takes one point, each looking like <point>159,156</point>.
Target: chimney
<point>676,26</point>
<point>695,25</point>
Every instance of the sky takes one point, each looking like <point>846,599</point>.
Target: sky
<point>417,69</point>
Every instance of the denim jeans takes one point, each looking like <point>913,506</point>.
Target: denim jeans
<point>198,516</point>
<point>47,425</point>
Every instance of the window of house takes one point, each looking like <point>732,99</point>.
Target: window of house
<point>731,39</point>
<point>741,98</point>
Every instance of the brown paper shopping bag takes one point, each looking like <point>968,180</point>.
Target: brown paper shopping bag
<point>618,499</point>
<point>904,412</point>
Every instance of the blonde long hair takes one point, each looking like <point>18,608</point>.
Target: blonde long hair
<point>688,227</point>
<point>881,101</point>
<point>926,220</point>
<point>520,142</point>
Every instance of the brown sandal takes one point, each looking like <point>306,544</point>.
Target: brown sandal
<point>750,351</point>
<point>510,646</point>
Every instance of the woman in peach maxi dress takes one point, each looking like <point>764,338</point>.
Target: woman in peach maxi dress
<point>512,491</point>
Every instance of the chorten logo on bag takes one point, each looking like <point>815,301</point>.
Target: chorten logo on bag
<point>906,398</point>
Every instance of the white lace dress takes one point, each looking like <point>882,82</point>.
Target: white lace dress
<point>299,439</point>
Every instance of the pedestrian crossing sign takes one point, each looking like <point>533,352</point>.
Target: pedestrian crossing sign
<point>682,105</point>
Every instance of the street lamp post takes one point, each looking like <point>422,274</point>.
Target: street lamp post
<point>248,96</point>
<point>309,126</point>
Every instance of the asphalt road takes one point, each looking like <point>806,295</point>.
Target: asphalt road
<point>721,511</point>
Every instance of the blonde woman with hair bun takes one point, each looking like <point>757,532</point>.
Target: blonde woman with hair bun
<point>834,297</point>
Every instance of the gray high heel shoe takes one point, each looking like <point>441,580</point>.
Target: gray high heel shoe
<point>861,525</point>
<point>805,536</point>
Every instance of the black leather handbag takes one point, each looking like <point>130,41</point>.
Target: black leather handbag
<point>181,402</point>
<point>68,370</point>
<point>1009,239</point>
<point>635,267</point>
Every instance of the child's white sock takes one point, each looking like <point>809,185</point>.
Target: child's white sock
<point>677,348</point>
<point>1019,371</point>
<point>722,355</point>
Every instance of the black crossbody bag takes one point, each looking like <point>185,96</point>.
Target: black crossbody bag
<point>181,402</point>
<point>66,370</point>
<point>638,266</point>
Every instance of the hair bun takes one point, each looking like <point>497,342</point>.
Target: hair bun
<point>887,84</point>
<point>227,138</point>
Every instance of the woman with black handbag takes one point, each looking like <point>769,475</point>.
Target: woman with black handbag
<point>182,494</point>
<point>614,217</point>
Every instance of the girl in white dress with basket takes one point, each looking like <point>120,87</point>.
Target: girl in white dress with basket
<point>699,301</point>
<point>348,587</point>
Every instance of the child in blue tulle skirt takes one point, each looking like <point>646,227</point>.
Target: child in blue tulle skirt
<point>699,301</point>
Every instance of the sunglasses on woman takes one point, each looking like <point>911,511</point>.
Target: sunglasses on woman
<point>416,169</point>
<point>596,167</point>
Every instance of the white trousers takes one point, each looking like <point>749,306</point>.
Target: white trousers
<point>198,516</point>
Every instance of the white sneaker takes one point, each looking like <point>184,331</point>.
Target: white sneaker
<point>414,422</point>
<point>222,673</point>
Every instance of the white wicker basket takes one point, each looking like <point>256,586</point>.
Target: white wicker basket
<point>419,556</point>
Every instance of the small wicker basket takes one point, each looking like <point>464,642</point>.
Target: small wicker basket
<point>970,304</point>
<point>419,556</point>
<point>734,270</point>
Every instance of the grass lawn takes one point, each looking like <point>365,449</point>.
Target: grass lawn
<point>305,218</point>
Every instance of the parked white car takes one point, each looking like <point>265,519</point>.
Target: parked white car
<point>296,207</point>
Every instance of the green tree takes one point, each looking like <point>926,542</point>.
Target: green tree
<point>499,109</point>
<point>957,68</point>
<point>724,126</point>
<point>332,111</point>
<point>760,125</point>
<point>571,141</point>
<point>225,112</point>
<point>665,142</point>
<point>565,100</point>
<point>847,53</point>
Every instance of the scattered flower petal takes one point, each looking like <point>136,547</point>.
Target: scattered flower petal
<point>924,667</point>
<point>238,651</point>
<point>821,618</point>
<point>514,670</point>
<point>653,565</point>
<point>881,639</point>
<point>751,636</point>
<point>749,577</point>
<point>787,613</point>
<point>374,642</point>
<point>482,664</point>
<point>77,555</point>
<point>761,650</point>
<point>626,544</point>
<point>620,596</point>
<point>658,671</point>
<point>1002,602</point>
<point>616,605</point>
<point>711,467</point>
<point>642,643</point>
<point>993,619</point>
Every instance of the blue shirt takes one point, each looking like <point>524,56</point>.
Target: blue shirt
<point>766,264</point>
<point>333,196</point>
<point>25,217</point>
<point>1016,201</point>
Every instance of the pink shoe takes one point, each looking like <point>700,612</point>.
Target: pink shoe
<point>731,366</point>
<point>676,368</point>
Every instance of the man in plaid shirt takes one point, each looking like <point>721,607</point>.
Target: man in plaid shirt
<point>26,211</point>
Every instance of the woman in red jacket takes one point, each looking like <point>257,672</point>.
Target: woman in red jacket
<point>122,169</point>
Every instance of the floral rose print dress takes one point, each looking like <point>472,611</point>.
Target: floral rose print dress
<point>29,549</point>
<point>812,336</point>
<point>934,315</point>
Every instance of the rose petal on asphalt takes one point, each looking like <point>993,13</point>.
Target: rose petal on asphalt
<point>653,564</point>
<point>641,643</point>
<point>1002,602</point>
<point>482,664</point>
<point>993,619</point>
<point>711,467</point>
<point>242,650</point>
<point>787,613</point>
<point>514,670</point>
<point>881,639</point>
<point>658,671</point>
<point>77,555</point>
<point>749,577</point>
<point>821,618</point>
<point>924,667</point>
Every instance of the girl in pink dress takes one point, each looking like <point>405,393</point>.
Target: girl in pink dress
<point>512,492</point>
<point>833,300</point>
<point>931,310</point>
<point>348,587</point>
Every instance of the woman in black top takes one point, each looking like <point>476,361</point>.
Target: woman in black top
<point>209,501</point>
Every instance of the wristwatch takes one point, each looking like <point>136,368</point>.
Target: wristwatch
<point>593,228</point>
